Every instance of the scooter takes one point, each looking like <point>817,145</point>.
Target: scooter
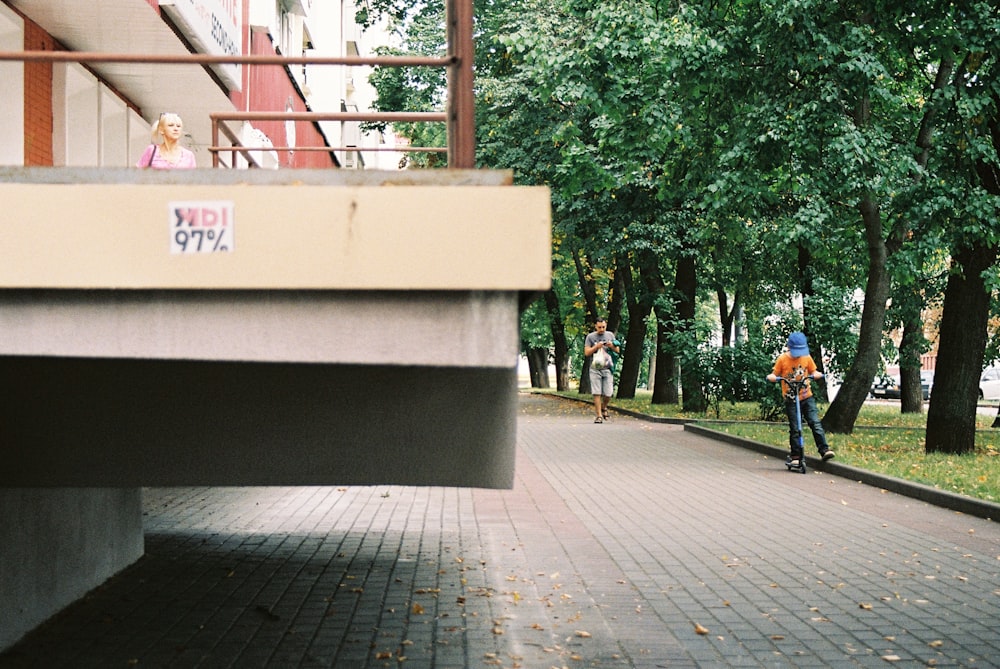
<point>796,385</point>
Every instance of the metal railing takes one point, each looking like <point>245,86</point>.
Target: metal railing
<point>219,128</point>
<point>459,114</point>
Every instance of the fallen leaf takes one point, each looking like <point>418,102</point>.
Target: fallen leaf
<point>699,629</point>
<point>417,609</point>
<point>865,605</point>
<point>937,643</point>
<point>582,634</point>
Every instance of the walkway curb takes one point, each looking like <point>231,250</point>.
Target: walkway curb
<point>925,493</point>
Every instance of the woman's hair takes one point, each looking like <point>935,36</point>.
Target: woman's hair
<point>165,117</point>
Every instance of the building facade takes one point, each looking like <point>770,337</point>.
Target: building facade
<point>100,114</point>
<point>118,332</point>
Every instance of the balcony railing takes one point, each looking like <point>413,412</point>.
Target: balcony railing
<point>458,115</point>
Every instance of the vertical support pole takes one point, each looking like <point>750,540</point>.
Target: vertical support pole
<point>461,102</point>
<point>215,141</point>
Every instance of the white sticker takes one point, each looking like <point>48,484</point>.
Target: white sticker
<point>204,226</point>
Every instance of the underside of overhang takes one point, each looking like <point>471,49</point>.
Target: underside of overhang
<point>134,27</point>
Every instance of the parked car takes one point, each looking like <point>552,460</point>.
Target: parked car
<point>989,384</point>
<point>887,387</point>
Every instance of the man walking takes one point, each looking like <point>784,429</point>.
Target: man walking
<point>602,378</point>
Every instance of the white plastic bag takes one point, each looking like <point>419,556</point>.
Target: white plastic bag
<point>602,359</point>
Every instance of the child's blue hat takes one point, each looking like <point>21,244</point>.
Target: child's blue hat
<point>797,345</point>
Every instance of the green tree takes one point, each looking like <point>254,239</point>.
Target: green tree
<point>763,150</point>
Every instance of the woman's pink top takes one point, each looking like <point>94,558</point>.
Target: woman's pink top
<point>186,160</point>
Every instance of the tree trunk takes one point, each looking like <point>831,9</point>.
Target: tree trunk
<point>639,307</point>
<point>951,419</point>
<point>686,288</point>
<point>807,290</point>
<point>631,361</point>
<point>738,319</point>
<point>726,315</point>
<point>617,296</point>
<point>665,379</point>
<point>588,287</point>
<point>560,347</point>
<point>538,367</point>
<point>911,394</point>
<point>844,409</point>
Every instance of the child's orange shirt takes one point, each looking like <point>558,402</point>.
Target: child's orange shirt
<point>795,368</point>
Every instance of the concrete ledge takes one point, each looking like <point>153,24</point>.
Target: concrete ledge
<point>421,328</point>
<point>134,423</point>
<point>225,177</point>
<point>147,233</point>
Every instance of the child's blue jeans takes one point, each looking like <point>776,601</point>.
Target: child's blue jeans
<point>810,416</point>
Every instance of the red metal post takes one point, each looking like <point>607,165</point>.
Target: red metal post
<point>215,142</point>
<point>461,102</point>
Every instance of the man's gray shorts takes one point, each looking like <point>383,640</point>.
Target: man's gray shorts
<point>602,382</point>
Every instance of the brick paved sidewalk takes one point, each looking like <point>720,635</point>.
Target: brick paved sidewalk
<point>626,544</point>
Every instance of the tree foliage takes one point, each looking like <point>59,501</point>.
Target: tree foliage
<point>772,159</point>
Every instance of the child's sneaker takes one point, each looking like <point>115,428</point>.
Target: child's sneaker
<point>827,454</point>
<point>793,460</point>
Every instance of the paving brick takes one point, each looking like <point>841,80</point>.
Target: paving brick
<point>615,542</point>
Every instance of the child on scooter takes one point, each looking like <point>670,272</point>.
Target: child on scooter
<point>796,363</point>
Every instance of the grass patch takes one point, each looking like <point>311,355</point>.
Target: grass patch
<point>897,452</point>
<point>884,441</point>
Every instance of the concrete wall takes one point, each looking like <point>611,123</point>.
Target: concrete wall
<point>58,544</point>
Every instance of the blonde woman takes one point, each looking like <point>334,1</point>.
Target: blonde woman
<point>166,153</point>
